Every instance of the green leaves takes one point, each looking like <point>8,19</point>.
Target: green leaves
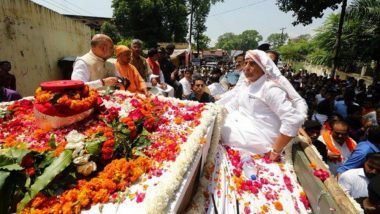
<point>11,178</point>
<point>3,177</point>
<point>247,40</point>
<point>11,167</point>
<point>52,143</point>
<point>305,11</point>
<point>56,167</point>
<point>16,155</point>
<point>142,141</point>
<point>94,147</point>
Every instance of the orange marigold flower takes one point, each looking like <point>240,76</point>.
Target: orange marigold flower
<point>178,120</point>
<point>38,200</point>
<point>313,165</point>
<point>66,208</point>
<point>278,206</point>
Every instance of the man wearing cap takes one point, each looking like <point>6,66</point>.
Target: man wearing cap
<point>93,67</point>
<point>128,71</point>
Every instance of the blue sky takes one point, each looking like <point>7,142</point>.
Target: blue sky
<point>233,16</point>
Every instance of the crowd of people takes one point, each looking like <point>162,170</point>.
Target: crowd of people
<point>266,106</point>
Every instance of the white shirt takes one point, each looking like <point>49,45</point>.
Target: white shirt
<point>80,72</point>
<point>344,151</point>
<point>257,115</point>
<point>297,101</point>
<point>216,89</point>
<point>319,98</point>
<point>91,69</point>
<point>186,86</point>
<point>354,182</point>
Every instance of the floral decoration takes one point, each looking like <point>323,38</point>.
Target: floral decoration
<point>129,140</point>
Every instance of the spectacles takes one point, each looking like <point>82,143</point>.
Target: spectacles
<point>199,85</point>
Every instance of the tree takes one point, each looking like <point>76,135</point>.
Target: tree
<point>201,11</point>
<point>151,20</point>
<point>367,13</point>
<point>227,41</point>
<point>110,29</point>
<point>360,37</point>
<point>296,49</point>
<point>305,11</point>
<point>160,20</point>
<point>203,42</point>
<point>277,40</point>
<point>247,40</point>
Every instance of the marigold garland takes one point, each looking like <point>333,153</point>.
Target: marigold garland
<point>78,100</point>
<point>116,176</point>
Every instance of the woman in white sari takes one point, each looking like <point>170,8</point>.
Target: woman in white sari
<point>263,115</point>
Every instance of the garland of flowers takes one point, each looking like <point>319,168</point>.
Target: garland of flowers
<point>116,176</point>
<point>75,100</point>
<point>198,203</point>
<point>177,148</point>
<point>157,200</point>
<point>202,196</point>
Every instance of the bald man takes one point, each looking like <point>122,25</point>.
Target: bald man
<point>93,67</point>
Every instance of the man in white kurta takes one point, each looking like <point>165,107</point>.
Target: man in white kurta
<point>262,119</point>
<point>93,67</point>
<point>261,114</point>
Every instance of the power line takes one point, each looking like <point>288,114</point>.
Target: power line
<point>67,10</point>
<point>238,8</point>
<point>65,6</point>
<point>74,5</point>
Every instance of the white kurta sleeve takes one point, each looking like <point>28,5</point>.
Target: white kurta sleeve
<point>298,102</point>
<point>80,72</point>
<point>291,119</point>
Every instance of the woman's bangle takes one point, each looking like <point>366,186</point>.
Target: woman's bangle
<point>103,83</point>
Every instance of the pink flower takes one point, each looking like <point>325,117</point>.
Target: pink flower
<point>247,210</point>
<point>288,183</point>
<point>135,103</point>
<point>140,197</point>
<point>136,114</point>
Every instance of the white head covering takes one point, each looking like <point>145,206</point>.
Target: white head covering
<point>273,73</point>
<point>265,63</point>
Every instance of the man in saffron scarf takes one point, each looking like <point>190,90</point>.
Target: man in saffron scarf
<point>339,145</point>
<point>127,70</point>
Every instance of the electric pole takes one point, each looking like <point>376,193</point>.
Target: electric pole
<point>282,35</point>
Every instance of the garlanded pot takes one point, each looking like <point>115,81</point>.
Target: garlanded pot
<point>63,102</point>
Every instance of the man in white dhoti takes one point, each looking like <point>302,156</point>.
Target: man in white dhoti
<point>266,113</point>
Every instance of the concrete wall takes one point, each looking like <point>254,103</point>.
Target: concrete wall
<point>33,38</point>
